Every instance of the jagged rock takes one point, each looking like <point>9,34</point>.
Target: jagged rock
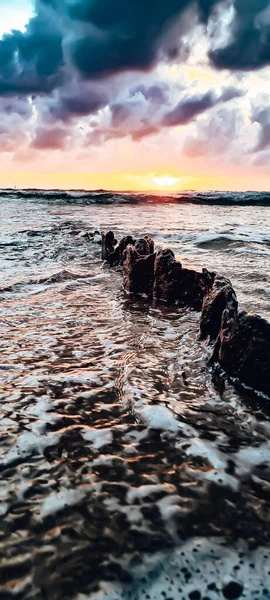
<point>139,267</point>
<point>243,349</point>
<point>110,250</point>
<point>114,253</point>
<point>221,296</point>
<point>173,284</point>
<point>123,244</point>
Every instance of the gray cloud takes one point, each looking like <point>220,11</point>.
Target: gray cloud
<point>262,117</point>
<point>189,108</point>
<point>72,50</point>
<point>249,41</point>
<point>103,37</point>
<point>49,139</point>
<point>217,135</point>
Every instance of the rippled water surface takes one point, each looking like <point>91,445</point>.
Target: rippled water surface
<point>127,469</point>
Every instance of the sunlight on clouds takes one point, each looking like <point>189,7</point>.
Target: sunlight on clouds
<point>14,15</point>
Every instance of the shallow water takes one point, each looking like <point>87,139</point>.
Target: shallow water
<point>122,457</point>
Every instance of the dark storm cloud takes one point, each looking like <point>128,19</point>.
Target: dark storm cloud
<point>249,43</point>
<point>30,62</point>
<point>123,35</point>
<point>70,47</point>
<point>94,37</point>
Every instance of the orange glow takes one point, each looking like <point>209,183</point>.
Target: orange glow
<point>135,182</point>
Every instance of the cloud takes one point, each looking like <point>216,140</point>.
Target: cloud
<point>75,100</point>
<point>156,93</point>
<point>15,117</point>
<point>30,62</point>
<point>49,139</point>
<point>248,43</point>
<point>262,117</point>
<point>215,135</point>
<point>81,58</point>
<point>189,108</point>
<point>93,40</point>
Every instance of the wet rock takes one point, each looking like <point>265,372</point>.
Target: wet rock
<point>115,253</point>
<point>173,284</point>
<point>221,296</point>
<point>139,268</point>
<point>123,244</point>
<point>110,250</point>
<point>243,349</point>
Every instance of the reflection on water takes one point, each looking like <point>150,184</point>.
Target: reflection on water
<point>118,446</point>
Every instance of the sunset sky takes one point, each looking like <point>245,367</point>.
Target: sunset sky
<point>135,94</point>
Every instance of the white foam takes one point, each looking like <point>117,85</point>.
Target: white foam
<point>98,437</point>
<point>207,561</point>
<point>28,444</point>
<point>140,493</point>
<point>60,500</point>
<point>248,458</point>
<point>159,417</point>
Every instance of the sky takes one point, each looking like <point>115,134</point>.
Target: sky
<point>135,94</point>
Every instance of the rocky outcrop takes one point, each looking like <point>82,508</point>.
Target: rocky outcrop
<point>242,341</point>
<point>173,284</point>
<point>138,266</point>
<point>243,349</point>
<point>220,297</point>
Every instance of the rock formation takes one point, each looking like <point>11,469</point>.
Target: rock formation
<point>243,349</point>
<point>173,284</point>
<point>220,297</point>
<point>242,345</point>
<point>138,266</point>
<point>110,250</point>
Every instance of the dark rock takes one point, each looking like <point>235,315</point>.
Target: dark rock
<point>243,349</point>
<point>221,296</point>
<point>115,253</point>
<point>110,250</point>
<point>173,284</point>
<point>139,269</point>
<point>123,244</point>
<point>144,246</point>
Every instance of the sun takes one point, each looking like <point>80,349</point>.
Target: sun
<point>165,181</point>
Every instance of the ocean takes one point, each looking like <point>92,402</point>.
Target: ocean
<point>127,471</point>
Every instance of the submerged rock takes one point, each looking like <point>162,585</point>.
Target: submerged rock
<point>138,263</point>
<point>243,349</point>
<point>221,296</point>
<point>173,284</point>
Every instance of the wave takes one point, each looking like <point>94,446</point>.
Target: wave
<point>59,277</point>
<point>114,197</point>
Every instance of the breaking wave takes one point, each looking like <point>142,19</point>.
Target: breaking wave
<point>107,197</point>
